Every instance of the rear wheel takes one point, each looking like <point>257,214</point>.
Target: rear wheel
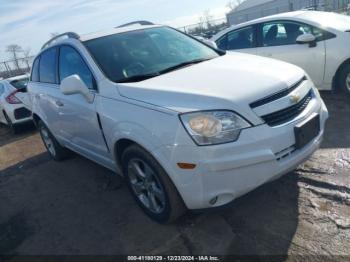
<point>344,80</point>
<point>150,186</point>
<point>14,129</point>
<point>56,151</point>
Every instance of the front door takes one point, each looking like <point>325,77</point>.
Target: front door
<point>80,123</point>
<point>278,40</point>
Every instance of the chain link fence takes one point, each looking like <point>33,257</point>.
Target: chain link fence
<point>15,67</point>
<point>206,29</point>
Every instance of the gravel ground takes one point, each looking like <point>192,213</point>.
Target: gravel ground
<point>77,207</point>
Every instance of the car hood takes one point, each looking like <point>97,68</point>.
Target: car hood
<point>232,81</point>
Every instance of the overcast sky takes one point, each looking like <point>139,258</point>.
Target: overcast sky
<point>30,22</point>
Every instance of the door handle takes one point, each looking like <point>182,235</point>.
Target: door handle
<point>59,103</point>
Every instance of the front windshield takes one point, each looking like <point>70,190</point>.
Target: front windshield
<point>148,52</point>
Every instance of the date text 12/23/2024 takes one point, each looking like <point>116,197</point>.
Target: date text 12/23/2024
<point>173,258</point>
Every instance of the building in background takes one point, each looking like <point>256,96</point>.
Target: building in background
<point>253,9</point>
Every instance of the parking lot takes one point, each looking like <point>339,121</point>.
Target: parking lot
<point>77,207</point>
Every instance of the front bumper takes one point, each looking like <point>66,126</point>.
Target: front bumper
<point>226,172</point>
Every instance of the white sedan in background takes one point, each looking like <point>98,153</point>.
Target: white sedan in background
<point>13,92</point>
<point>316,41</point>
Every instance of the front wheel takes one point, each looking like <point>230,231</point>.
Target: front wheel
<point>56,151</point>
<point>150,186</point>
<point>344,80</point>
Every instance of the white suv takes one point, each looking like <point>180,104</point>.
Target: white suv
<point>187,125</point>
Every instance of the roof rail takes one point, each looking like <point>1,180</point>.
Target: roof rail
<point>67,34</point>
<point>141,22</point>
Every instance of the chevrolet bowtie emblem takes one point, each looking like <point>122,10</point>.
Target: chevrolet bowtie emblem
<point>294,98</point>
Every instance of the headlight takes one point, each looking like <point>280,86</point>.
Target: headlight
<point>214,127</point>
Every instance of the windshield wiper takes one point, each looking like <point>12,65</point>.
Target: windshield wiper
<point>137,78</point>
<point>184,64</point>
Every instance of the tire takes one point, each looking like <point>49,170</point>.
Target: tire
<point>56,151</point>
<point>344,80</point>
<point>14,128</point>
<point>167,205</point>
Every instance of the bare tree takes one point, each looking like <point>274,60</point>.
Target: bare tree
<point>14,51</point>
<point>26,56</point>
<point>201,23</point>
<point>233,4</point>
<point>207,18</point>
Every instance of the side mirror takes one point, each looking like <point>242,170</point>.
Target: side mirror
<point>307,39</point>
<point>74,85</point>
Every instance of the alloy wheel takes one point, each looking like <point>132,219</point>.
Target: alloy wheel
<point>146,185</point>
<point>348,82</point>
<point>48,141</point>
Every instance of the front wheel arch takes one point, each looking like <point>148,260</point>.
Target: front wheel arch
<point>120,146</point>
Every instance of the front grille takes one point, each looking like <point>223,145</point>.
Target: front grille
<point>21,113</point>
<point>287,114</point>
<point>277,95</point>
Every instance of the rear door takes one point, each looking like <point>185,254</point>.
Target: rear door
<point>277,39</point>
<point>46,90</point>
<point>239,40</point>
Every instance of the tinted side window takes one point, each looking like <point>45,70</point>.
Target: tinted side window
<point>71,63</point>
<point>283,33</point>
<point>238,39</point>
<point>48,66</point>
<point>222,43</point>
<point>35,71</point>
